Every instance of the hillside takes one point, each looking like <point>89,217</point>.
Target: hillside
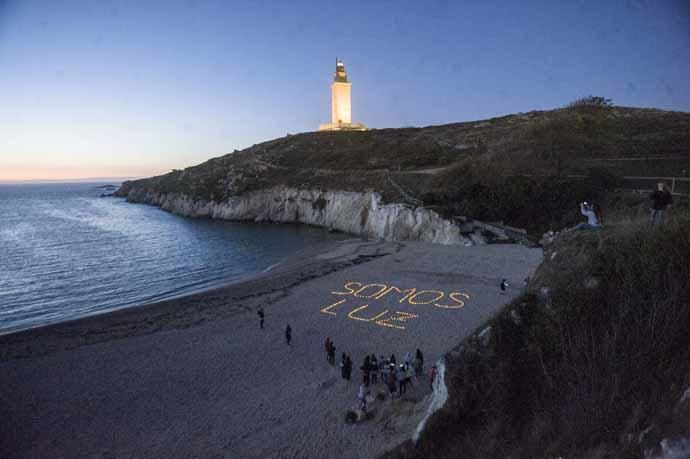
<point>526,170</point>
<point>592,361</point>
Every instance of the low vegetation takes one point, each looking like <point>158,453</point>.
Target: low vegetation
<point>590,362</point>
<point>528,170</point>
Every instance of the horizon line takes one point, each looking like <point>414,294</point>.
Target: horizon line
<point>70,180</point>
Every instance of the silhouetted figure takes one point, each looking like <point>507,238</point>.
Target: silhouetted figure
<point>504,286</point>
<point>417,366</point>
<point>330,351</point>
<point>402,379</point>
<point>348,368</point>
<point>374,370</point>
<point>261,317</point>
<point>362,397</point>
<point>343,366</point>
<point>385,370</point>
<point>392,380</point>
<point>331,354</point>
<point>288,334</point>
<point>365,370</point>
<point>661,200</point>
<point>418,363</point>
<point>432,377</point>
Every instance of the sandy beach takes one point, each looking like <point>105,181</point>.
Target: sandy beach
<point>196,377</point>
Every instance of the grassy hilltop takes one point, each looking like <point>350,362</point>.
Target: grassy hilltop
<point>527,170</point>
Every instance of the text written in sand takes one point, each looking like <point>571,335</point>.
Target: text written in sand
<point>383,293</point>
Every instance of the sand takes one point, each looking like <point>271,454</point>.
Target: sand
<point>196,377</point>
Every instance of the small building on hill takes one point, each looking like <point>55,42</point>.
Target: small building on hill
<point>341,106</point>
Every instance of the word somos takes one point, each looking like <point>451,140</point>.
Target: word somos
<point>454,300</point>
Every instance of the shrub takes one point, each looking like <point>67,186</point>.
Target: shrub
<point>591,101</point>
<point>584,370</point>
<point>603,179</point>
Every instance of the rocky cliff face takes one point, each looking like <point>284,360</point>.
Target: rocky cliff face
<point>361,214</point>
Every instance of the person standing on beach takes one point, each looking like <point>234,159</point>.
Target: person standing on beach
<point>418,363</point>
<point>261,317</point>
<point>327,346</point>
<point>288,334</point>
<point>383,364</point>
<point>365,370</point>
<point>374,369</point>
<point>409,374</point>
<point>402,378</point>
<point>348,367</point>
<point>331,354</point>
<point>432,377</point>
<point>385,370</point>
<point>392,382</point>
<point>362,396</point>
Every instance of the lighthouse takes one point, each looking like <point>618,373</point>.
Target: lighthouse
<point>341,105</point>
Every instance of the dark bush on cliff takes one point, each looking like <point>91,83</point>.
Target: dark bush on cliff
<point>591,101</point>
<point>593,369</point>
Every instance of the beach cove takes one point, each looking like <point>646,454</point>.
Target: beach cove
<point>196,377</point>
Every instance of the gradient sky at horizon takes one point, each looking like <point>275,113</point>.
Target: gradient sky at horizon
<point>135,88</point>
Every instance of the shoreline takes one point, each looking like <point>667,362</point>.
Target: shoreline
<point>196,376</point>
<point>220,284</point>
<point>116,324</point>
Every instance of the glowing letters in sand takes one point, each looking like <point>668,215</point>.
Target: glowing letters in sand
<point>391,317</point>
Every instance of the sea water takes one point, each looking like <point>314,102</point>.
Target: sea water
<point>66,252</point>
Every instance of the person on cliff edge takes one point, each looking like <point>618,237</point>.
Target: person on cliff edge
<point>593,221</point>
<point>661,200</point>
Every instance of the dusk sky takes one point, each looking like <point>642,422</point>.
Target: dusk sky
<point>120,88</point>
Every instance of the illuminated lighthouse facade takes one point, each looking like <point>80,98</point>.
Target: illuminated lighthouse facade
<point>341,106</point>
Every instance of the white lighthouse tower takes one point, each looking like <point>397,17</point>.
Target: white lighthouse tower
<point>341,105</point>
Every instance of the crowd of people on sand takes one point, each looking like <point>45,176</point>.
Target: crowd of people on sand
<point>394,376</point>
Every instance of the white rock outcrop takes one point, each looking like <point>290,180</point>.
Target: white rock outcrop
<point>357,213</point>
<point>439,396</point>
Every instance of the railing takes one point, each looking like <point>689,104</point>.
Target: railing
<point>406,195</point>
<point>674,181</point>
